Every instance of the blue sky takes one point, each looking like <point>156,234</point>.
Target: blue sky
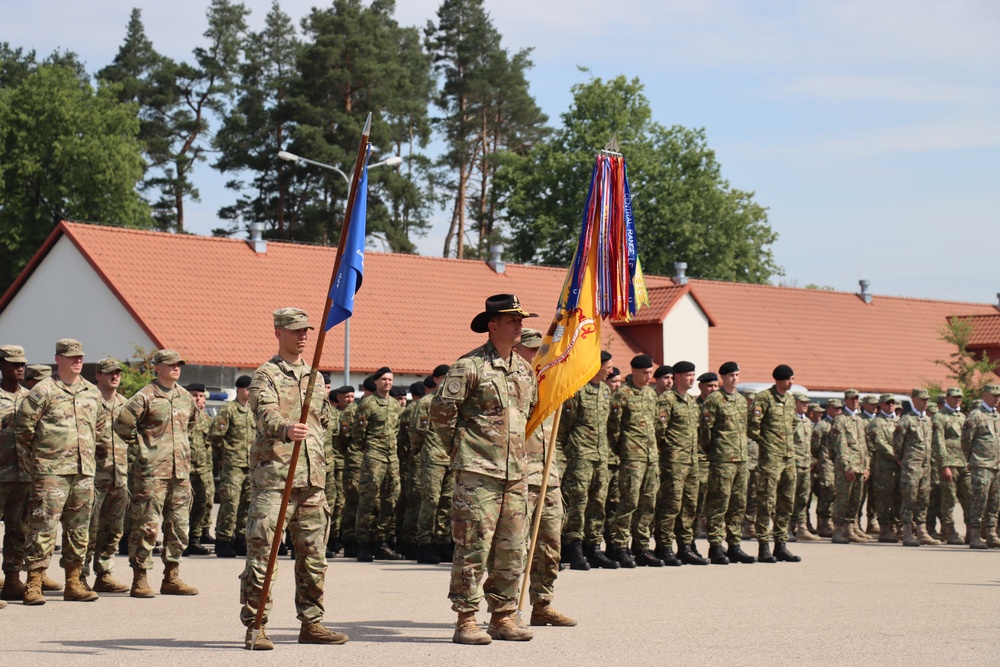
<point>870,129</point>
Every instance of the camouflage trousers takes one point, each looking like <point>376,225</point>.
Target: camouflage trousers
<point>585,492</point>
<point>234,499</point>
<point>915,488</point>
<point>885,490</point>
<point>825,485</point>
<point>203,497</point>
<point>378,488</point>
<point>775,499</point>
<point>335,494</point>
<point>13,508</point>
<point>157,502</point>
<point>638,482</point>
<point>868,498</point>
<point>611,503</point>
<point>55,500</point>
<point>548,548</point>
<point>408,518</point>
<point>701,512</point>
<point>726,501</point>
<point>488,522</point>
<point>984,497</point>
<point>803,495</point>
<point>308,516</point>
<point>954,489</point>
<point>676,504</point>
<point>848,500</point>
<point>434,518</point>
<point>349,514</point>
<point>110,506</point>
<point>750,512</point>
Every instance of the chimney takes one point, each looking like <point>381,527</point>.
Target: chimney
<point>865,294</point>
<point>257,241</point>
<point>496,258</point>
<point>679,269</point>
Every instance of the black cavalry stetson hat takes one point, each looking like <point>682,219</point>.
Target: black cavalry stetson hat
<point>495,305</point>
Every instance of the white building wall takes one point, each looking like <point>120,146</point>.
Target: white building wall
<point>65,298</point>
<point>685,334</point>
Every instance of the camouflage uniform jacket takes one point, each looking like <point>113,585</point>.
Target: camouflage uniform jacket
<point>422,436</point>
<point>330,435</point>
<point>820,445</point>
<point>343,443</point>
<point>111,456</point>
<point>56,428</point>
<point>771,424</point>
<point>9,403</point>
<point>160,420</point>
<point>233,432</point>
<point>277,391</point>
<point>632,423</point>
<point>480,412</point>
<point>583,426</point>
<point>201,453</point>
<point>911,441</point>
<point>723,428</point>
<point>403,434</point>
<point>879,432</point>
<point>536,446</point>
<point>376,425</point>
<point>677,428</point>
<point>848,444</point>
<point>802,438</point>
<point>948,438</point>
<point>981,438</point>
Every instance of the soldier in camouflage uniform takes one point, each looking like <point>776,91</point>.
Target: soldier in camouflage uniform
<point>772,425</point>
<point>869,410</point>
<point>56,431</point>
<point>981,446</point>
<point>13,489</point>
<point>934,479</point>
<point>824,479</point>
<point>614,382</point>
<point>708,383</point>
<point>436,486</point>
<point>341,398</point>
<point>884,468</point>
<point>849,453</point>
<point>632,436</point>
<point>408,505</point>
<point>489,386</point>
<point>232,434</point>
<point>749,530</point>
<point>677,438</point>
<point>723,434</point>
<point>376,424</point>
<point>159,417</point>
<point>344,444</point>
<point>111,496</point>
<point>804,422</point>
<point>202,479</point>
<point>277,392</point>
<point>911,444</point>
<point>947,444</point>
<point>583,437</point>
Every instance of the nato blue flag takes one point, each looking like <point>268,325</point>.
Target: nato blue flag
<point>352,262</point>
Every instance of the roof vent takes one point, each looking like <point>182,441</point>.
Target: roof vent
<point>998,301</point>
<point>680,268</point>
<point>496,259</point>
<point>865,295</point>
<point>257,241</point>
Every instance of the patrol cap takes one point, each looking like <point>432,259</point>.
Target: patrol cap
<point>196,386</point>
<point>869,399</point>
<point>683,367</point>
<point>835,403</point>
<point>851,393</point>
<point>605,356</point>
<point>243,381</point>
<point>380,373</point>
<point>800,397</point>
<point>110,365</point>
<point>932,408</point>
<point>782,372</point>
<point>417,389</point>
<point>729,367</point>
<point>13,354</point>
<point>440,370</point>
<point>919,392</point>
<point>67,347</point>
<point>992,388</point>
<point>708,377</point>
<point>886,398</point>
<point>498,304</point>
<point>37,372</point>
<point>531,338</point>
<point>641,361</point>
<point>815,407</point>
<point>167,357</point>
<point>291,318</point>
<point>665,369</point>
<point>954,391</point>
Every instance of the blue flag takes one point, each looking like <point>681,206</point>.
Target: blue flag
<point>352,262</point>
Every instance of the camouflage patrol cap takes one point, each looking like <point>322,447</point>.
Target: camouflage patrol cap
<point>169,357</point>
<point>919,392</point>
<point>13,354</point>
<point>869,399</point>
<point>886,398</point>
<point>954,391</point>
<point>108,365</point>
<point>800,397</point>
<point>932,409</point>
<point>67,347</point>
<point>815,407</point>
<point>992,388</point>
<point>851,393</point>
<point>835,403</point>
<point>531,338</point>
<point>291,318</point>
<point>37,372</point>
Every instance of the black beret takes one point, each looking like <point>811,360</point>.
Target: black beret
<point>440,370</point>
<point>663,370</point>
<point>683,367</point>
<point>728,367</point>
<point>385,370</point>
<point>326,378</point>
<point>708,377</point>
<point>346,389</point>
<point>417,389</point>
<point>369,384</point>
<point>614,373</point>
<point>429,382</point>
<point>605,356</point>
<point>242,382</point>
<point>782,372</point>
<point>641,361</point>
<point>397,392</point>
<point>196,386</point>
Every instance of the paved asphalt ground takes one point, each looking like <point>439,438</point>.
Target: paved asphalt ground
<point>843,604</point>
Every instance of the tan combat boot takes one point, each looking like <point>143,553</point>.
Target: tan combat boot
<point>862,535</point>
<point>951,535</point>
<point>542,613</point>
<point>317,633</point>
<point>803,534</point>
<point>105,584</point>
<point>925,538</point>
<point>263,642</point>
<point>467,631</point>
<point>502,626</point>
<point>854,536</point>
<point>33,589</point>
<point>992,539</point>
<point>908,539</point>
<point>873,528</point>
<point>75,590</point>
<point>140,587</point>
<point>975,539</point>
<point>840,534</point>
<point>49,585</point>
<point>13,589</point>
<point>825,527</point>
<point>172,584</point>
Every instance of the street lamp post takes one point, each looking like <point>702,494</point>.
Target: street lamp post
<point>388,162</point>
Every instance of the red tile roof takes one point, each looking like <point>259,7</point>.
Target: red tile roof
<point>662,298</point>
<point>985,330</point>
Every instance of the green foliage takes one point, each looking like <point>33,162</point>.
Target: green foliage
<point>969,372</point>
<point>684,209</point>
<point>138,372</point>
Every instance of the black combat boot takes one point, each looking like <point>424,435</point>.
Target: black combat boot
<point>689,557</point>
<point>384,552</point>
<point>665,552</point>
<point>575,556</point>
<point>446,551</point>
<point>736,555</point>
<point>716,555</point>
<point>645,557</point>
<point>596,558</point>
<point>206,538</point>
<point>782,553</point>
<point>624,557</point>
<point>194,548</point>
<point>240,546</point>
<point>224,549</point>
<point>426,555</point>
<point>364,553</point>
<point>764,553</point>
<point>350,549</point>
